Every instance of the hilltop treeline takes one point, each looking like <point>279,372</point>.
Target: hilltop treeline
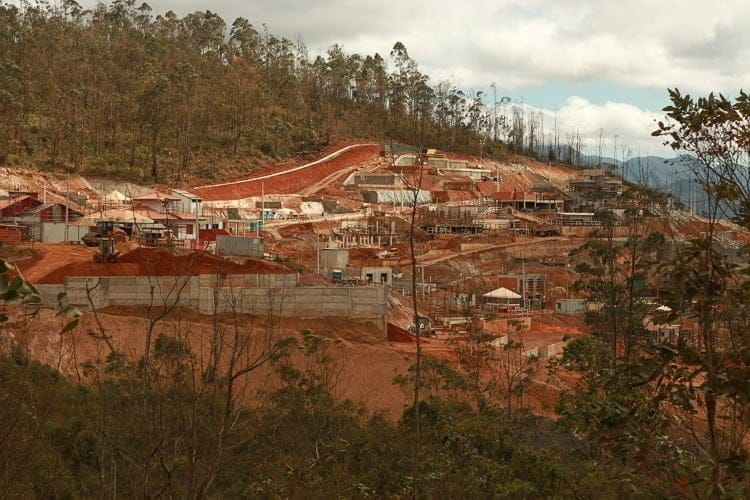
<point>117,90</point>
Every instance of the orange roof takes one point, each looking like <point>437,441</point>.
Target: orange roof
<point>488,188</point>
<point>443,196</point>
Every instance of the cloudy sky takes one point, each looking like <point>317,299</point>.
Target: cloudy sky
<point>602,64</point>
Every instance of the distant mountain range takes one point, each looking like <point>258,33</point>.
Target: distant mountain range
<point>668,175</point>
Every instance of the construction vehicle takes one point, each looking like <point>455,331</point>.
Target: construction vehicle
<point>108,252</point>
<point>104,229</point>
<point>425,326</point>
<point>156,235</point>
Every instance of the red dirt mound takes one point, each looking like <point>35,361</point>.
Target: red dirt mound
<point>397,334</point>
<point>166,263</point>
<point>152,262</point>
<point>89,269</point>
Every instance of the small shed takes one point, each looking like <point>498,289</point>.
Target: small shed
<point>377,275</point>
<point>572,307</point>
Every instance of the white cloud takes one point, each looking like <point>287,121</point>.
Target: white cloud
<point>693,44</point>
<point>630,125</point>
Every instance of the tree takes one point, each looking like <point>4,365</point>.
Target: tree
<point>155,102</point>
<point>715,134</point>
<point>11,107</point>
<point>614,275</point>
<point>706,375</point>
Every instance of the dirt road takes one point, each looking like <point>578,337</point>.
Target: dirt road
<point>532,241</point>
<point>291,180</point>
<point>55,255</point>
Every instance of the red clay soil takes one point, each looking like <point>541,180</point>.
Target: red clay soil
<point>50,257</point>
<point>287,183</point>
<point>359,253</point>
<point>152,262</point>
<point>397,334</point>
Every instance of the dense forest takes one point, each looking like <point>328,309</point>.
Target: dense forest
<point>118,91</point>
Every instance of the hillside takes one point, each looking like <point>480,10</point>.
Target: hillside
<point>118,92</point>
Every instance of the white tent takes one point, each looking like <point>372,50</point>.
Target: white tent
<point>502,293</point>
<point>130,216</point>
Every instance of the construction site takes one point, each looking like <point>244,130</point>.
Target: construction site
<point>330,242</point>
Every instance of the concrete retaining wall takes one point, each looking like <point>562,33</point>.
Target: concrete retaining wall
<point>237,281</point>
<point>135,290</point>
<point>49,293</point>
<point>357,303</point>
<point>551,350</point>
<point>271,294</point>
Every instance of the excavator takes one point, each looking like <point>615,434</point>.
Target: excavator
<point>108,252</point>
<point>104,229</point>
<point>106,236</point>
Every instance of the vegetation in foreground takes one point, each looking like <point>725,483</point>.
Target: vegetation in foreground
<point>118,438</point>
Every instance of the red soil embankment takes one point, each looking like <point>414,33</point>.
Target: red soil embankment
<point>284,182</point>
<point>397,334</point>
<point>152,262</point>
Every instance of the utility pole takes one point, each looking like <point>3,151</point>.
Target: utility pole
<point>197,239</point>
<point>262,209</point>
<point>523,281</point>
<point>67,202</point>
<point>423,293</point>
<point>494,117</point>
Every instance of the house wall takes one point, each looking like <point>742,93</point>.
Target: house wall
<point>573,307</point>
<point>182,226</point>
<point>509,282</point>
<point>54,232</point>
<point>239,246</point>
<point>152,204</point>
<point>334,258</point>
<point>380,275</point>
<point>186,204</point>
<point>56,213</point>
